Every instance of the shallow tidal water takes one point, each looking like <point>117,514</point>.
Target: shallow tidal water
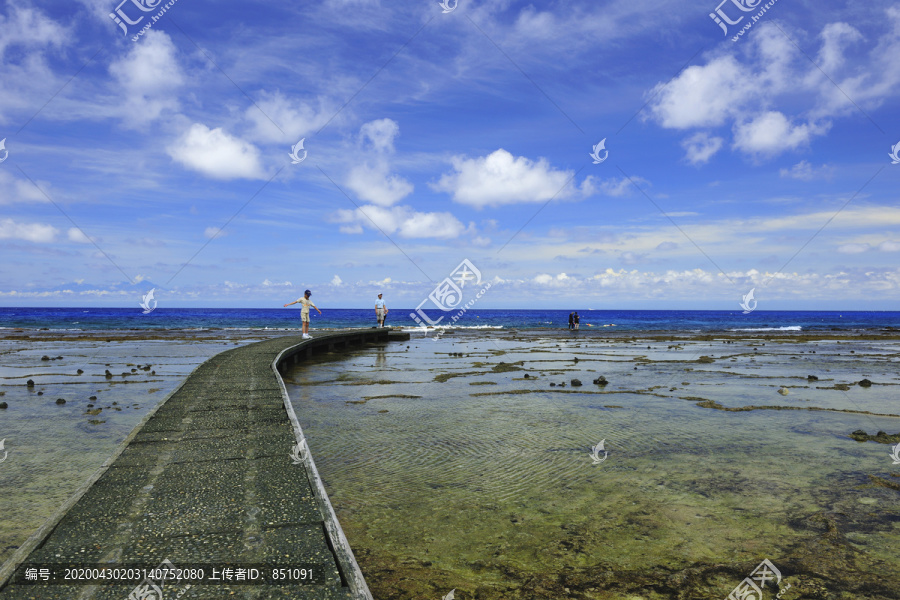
<point>458,472</point>
<point>52,449</point>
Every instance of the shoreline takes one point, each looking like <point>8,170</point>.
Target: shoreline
<point>46,334</point>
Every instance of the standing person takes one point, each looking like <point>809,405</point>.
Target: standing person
<point>380,311</point>
<point>305,303</point>
<point>577,320</point>
<point>571,320</point>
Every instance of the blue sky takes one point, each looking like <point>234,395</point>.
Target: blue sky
<point>434,137</point>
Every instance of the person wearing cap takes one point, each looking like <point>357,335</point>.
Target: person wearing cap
<point>305,303</point>
<point>380,311</point>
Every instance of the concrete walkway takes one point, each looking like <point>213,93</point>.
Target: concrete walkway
<point>206,479</point>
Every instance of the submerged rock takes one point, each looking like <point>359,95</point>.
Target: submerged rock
<point>576,382</point>
<point>783,391</point>
<point>60,400</point>
<point>812,378</point>
<point>600,381</point>
<point>3,405</point>
<point>864,383</point>
<point>29,383</point>
<point>108,374</point>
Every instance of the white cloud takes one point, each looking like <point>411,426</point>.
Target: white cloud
<point>372,180</point>
<point>78,236</point>
<point>401,220</point>
<point>213,232</point>
<point>853,248</point>
<point>889,246</point>
<point>804,171</point>
<point>560,280</point>
<point>835,39</point>
<point>375,184</point>
<point>30,232</point>
<point>149,77</point>
<point>615,187</point>
<point>14,190</point>
<point>217,154</point>
<point>772,133</point>
<point>702,96</point>
<point>277,118</point>
<point>25,26</point>
<point>380,133</point>
<point>500,178</point>
<point>336,281</point>
<point>741,92</point>
<point>700,147</point>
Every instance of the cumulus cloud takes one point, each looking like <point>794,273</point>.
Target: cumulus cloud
<point>78,236</point>
<point>741,92</point>
<point>702,96</point>
<point>30,232</point>
<point>336,281</point>
<point>500,178</point>
<point>372,180</point>
<point>376,185</point>
<point>402,220</point>
<point>277,118</point>
<point>700,147</point>
<point>546,279</point>
<point>217,154</point>
<point>213,232</point>
<point>380,133</point>
<point>772,133</point>
<point>28,27</point>
<point>148,76</point>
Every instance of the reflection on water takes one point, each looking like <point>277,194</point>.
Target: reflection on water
<point>442,478</point>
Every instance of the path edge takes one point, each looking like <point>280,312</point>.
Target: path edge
<point>343,553</point>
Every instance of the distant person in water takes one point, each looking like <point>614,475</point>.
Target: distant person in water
<point>381,311</point>
<point>571,320</point>
<point>305,303</point>
<point>577,320</point>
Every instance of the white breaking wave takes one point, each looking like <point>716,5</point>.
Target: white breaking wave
<point>445,327</point>
<point>786,328</point>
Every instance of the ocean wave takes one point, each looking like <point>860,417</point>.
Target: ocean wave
<point>786,328</point>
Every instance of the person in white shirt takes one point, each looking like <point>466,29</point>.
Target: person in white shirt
<point>305,303</point>
<point>380,310</point>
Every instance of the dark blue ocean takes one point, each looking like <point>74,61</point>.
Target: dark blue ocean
<point>612,320</point>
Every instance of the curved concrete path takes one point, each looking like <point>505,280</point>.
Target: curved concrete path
<point>207,479</point>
